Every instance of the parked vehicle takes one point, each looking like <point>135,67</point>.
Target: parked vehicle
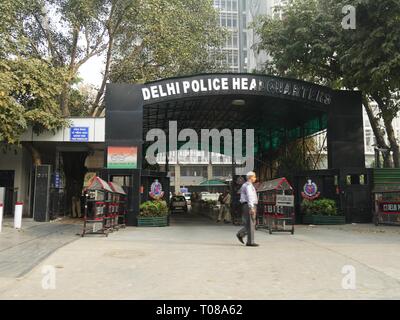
<point>188,197</point>
<point>209,196</point>
<point>178,204</point>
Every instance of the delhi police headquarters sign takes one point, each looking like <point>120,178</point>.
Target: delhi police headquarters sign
<point>244,84</point>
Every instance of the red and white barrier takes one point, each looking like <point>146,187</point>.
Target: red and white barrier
<point>1,215</point>
<point>18,215</point>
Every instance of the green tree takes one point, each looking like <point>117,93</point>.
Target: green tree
<point>67,33</point>
<point>310,43</point>
<point>161,38</point>
<point>29,86</point>
<point>47,41</point>
<point>165,39</point>
<point>140,39</point>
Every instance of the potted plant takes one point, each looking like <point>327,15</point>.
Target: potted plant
<point>321,212</point>
<point>153,214</point>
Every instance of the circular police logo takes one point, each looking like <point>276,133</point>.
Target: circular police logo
<point>310,190</point>
<point>156,190</point>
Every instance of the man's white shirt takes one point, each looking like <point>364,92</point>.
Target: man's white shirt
<point>248,194</point>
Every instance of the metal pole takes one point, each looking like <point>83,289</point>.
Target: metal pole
<point>1,215</point>
<point>167,154</point>
<point>377,159</point>
<point>303,144</point>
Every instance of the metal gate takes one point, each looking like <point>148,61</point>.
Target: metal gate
<point>357,204</point>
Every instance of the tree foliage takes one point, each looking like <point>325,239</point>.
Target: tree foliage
<point>43,44</point>
<point>167,38</point>
<point>310,43</point>
<point>29,86</point>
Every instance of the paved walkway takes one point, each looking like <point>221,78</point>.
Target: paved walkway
<point>21,250</point>
<point>195,258</point>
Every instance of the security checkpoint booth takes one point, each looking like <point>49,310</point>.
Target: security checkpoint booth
<point>119,209</point>
<point>275,211</point>
<point>98,197</point>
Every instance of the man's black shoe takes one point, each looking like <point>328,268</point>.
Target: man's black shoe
<point>252,245</point>
<point>240,238</point>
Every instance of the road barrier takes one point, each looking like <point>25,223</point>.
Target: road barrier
<point>1,215</point>
<point>18,215</point>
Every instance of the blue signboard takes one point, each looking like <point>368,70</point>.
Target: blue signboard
<point>184,190</point>
<point>79,134</point>
<point>57,180</point>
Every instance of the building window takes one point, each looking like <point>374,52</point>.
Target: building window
<point>222,171</point>
<point>234,5</point>
<point>194,171</point>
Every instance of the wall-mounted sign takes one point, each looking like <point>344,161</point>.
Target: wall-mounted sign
<point>390,207</point>
<point>184,190</point>
<point>79,134</point>
<point>57,180</point>
<point>156,191</point>
<point>284,201</point>
<point>310,190</point>
<point>122,157</point>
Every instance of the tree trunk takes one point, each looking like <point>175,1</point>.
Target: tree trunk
<point>36,157</point>
<point>65,100</point>
<point>74,170</point>
<point>387,117</point>
<point>71,73</point>
<point>96,109</point>
<point>379,135</point>
<point>392,140</point>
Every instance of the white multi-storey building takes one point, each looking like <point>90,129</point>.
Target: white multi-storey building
<point>231,18</point>
<point>237,16</point>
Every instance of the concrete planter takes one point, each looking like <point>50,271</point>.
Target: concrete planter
<point>153,221</point>
<point>323,220</point>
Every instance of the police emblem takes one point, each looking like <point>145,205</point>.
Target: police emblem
<point>310,190</point>
<point>156,190</point>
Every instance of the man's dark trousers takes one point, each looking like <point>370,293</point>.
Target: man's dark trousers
<point>249,224</point>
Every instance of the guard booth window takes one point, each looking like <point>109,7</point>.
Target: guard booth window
<point>356,179</point>
<point>123,181</point>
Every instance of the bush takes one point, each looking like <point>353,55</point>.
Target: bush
<point>326,207</point>
<point>154,209</point>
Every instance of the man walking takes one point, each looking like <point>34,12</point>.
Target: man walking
<point>248,201</point>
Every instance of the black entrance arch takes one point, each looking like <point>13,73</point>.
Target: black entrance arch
<point>267,104</point>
